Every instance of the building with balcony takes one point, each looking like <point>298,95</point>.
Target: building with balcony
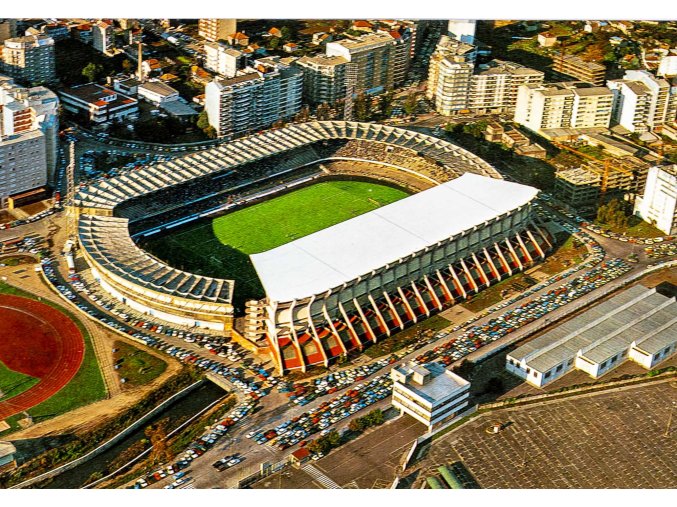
<point>29,125</point>
<point>643,102</point>
<point>658,204</point>
<point>563,105</point>
<point>429,393</point>
<point>324,78</point>
<point>574,67</point>
<point>373,56</point>
<point>214,30</point>
<point>255,98</point>
<point>223,60</point>
<point>29,60</point>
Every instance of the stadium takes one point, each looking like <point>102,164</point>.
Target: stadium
<point>327,292</point>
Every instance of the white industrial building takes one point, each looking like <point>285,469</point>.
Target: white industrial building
<point>429,393</point>
<point>658,204</point>
<point>639,324</point>
<point>157,92</point>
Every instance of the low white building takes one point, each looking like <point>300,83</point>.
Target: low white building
<point>430,394</point>
<point>157,92</point>
<point>658,204</point>
<point>639,324</point>
<point>98,103</point>
<point>7,456</point>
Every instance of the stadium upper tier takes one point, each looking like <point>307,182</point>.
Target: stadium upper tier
<point>337,255</point>
<point>107,242</point>
<point>107,194</point>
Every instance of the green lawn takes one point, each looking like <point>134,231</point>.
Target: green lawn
<point>13,383</point>
<point>221,247</point>
<point>87,386</point>
<point>136,366</point>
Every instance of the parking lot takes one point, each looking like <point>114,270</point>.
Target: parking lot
<point>610,440</point>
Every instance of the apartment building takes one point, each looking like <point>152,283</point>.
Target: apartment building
<point>324,78</point>
<point>668,66</point>
<point>373,56</point>
<point>103,37</point>
<point>658,204</point>
<point>429,393</point>
<point>29,125</point>
<point>216,29</point>
<point>563,105</point>
<point>574,67</point>
<point>223,60</point>
<point>643,102</point>
<point>449,73</point>
<point>29,59</point>
<point>494,86</point>
<point>255,98</point>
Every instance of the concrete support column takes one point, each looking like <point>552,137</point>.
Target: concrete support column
<point>483,275</point>
<point>503,260</point>
<point>365,322</point>
<point>351,329</point>
<point>334,332</point>
<point>492,266</point>
<point>378,315</point>
<point>316,337</point>
<point>536,245</point>
<point>524,248</point>
<point>445,287</point>
<point>407,306</point>
<point>458,282</point>
<point>421,302</point>
<point>471,280</point>
<point>514,254</point>
<point>431,291</point>
<point>396,315</point>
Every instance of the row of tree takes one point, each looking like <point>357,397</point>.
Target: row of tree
<point>373,418</point>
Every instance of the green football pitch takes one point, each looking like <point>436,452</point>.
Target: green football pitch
<point>221,247</point>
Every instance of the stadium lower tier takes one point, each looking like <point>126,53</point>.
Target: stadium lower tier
<point>381,315</point>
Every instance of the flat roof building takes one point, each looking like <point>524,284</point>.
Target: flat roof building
<point>639,324</point>
<point>429,393</point>
<point>98,103</point>
<point>30,59</point>
<point>216,29</point>
<point>571,66</point>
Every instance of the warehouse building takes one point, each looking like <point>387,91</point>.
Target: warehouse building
<point>639,324</point>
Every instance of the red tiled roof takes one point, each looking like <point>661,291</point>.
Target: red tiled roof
<point>301,453</point>
<point>239,35</point>
<point>362,24</point>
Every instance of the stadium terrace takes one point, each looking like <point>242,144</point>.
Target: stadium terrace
<point>333,291</point>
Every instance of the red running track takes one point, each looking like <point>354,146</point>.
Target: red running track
<point>40,341</point>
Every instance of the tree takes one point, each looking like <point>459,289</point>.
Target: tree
<point>356,425</point>
<point>203,121</point>
<point>323,112</point>
<point>157,434</point>
<point>387,104</point>
<point>92,71</point>
<point>410,103</point>
<point>361,107</point>
<point>494,385</point>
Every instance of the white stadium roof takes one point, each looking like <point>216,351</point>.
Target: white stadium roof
<point>341,253</point>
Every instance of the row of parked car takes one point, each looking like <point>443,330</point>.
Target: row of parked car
<point>297,430</point>
<point>303,393</point>
<point>509,321</point>
<point>31,219</point>
<point>661,250</point>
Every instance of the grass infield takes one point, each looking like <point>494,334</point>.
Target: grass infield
<point>13,383</point>
<point>221,247</point>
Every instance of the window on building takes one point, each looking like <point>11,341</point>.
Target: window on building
<point>559,368</point>
<point>547,374</point>
<point>535,373</point>
<point>603,365</point>
<point>570,362</point>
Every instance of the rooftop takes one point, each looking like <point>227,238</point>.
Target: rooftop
<point>439,384</point>
<point>636,314</point>
<point>159,88</point>
<point>350,249</point>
